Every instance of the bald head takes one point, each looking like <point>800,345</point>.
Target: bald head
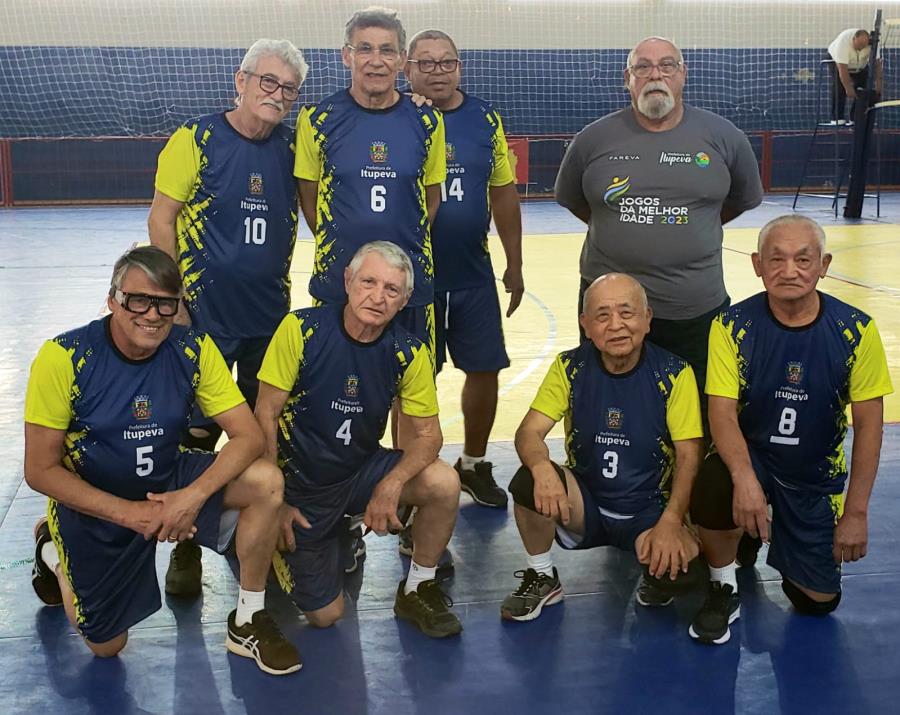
<point>656,43</point>
<point>615,286</point>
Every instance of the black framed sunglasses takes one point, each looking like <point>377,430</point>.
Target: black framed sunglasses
<point>141,303</point>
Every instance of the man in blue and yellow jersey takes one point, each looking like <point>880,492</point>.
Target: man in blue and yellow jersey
<point>370,165</point>
<point>783,366</point>
<point>633,442</point>
<point>106,407</point>
<point>326,387</point>
<point>467,312</point>
<point>226,209</point>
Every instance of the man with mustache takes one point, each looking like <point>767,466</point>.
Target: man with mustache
<point>225,209</point>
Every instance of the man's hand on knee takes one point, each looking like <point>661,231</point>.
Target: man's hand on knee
<point>179,512</point>
<point>381,511</point>
<point>288,516</point>
<point>667,548</point>
<point>550,498</point>
<point>851,537</point>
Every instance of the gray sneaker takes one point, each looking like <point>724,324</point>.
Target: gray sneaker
<point>536,591</point>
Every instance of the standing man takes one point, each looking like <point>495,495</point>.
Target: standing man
<point>783,366</point>
<point>226,209</point>
<point>370,164</point>
<point>849,52</point>
<point>633,441</point>
<point>327,384</point>
<point>655,182</point>
<point>106,407</point>
<point>479,183</point>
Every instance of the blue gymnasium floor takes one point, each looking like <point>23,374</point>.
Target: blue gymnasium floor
<point>597,652</point>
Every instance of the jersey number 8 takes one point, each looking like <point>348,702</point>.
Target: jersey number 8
<point>786,426</point>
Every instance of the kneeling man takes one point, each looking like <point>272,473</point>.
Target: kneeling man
<point>326,387</point>
<point>633,442</point>
<point>783,366</point>
<point>106,406</point>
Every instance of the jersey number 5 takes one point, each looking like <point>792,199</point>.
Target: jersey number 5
<point>144,467</point>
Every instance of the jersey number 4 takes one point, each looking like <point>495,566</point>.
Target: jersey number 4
<point>343,432</point>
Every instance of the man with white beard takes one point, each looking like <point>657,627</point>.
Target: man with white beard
<point>654,182</point>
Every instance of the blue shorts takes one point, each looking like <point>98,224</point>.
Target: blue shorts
<point>469,325</point>
<point>606,528</point>
<point>802,533</point>
<point>112,569</point>
<point>312,574</point>
<point>419,321</point>
<point>247,354</point>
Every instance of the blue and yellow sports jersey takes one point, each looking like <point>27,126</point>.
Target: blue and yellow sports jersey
<point>237,229</point>
<point>341,392</point>
<point>372,167</point>
<point>477,159</point>
<point>620,428</point>
<point>124,419</point>
<point>793,385</point>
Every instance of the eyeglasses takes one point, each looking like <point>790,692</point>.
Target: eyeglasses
<point>270,85</point>
<point>141,303</point>
<point>429,66</point>
<point>386,52</point>
<point>666,68</point>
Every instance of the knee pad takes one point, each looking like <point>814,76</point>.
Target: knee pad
<point>522,486</point>
<point>207,442</point>
<point>712,496</point>
<point>804,604</point>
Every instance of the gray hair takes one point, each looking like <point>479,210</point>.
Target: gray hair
<point>392,254</point>
<point>282,49</point>
<point>656,38</point>
<point>375,16</point>
<point>431,35</point>
<point>156,263</point>
<point>791,220</point>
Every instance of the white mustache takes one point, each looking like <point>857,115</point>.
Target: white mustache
<point>272,103</point>
<point>654,86</point>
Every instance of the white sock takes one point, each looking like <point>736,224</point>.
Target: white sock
<point>467,462</point>
<point>542,563</point>
<point>50,556</point>
<point>418,574</point>
<point>249,602</point>
<point>725,574</point>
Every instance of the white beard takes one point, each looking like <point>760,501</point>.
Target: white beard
<point>655,106</point>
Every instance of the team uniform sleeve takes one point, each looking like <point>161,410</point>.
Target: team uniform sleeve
<point>178,165</point>
<point>683,407</point>
<point>869,376</point>
<point>307,164</point>
<point>722,378</point>
<point>502,173</point>
<point>746,187</point>
<point>552,397</point>
<point>436,161</point>
<point>418,394</point>
<point>568,190</point>
<point>281,364</point>
<point>217,391</point>
<point>48,397</point>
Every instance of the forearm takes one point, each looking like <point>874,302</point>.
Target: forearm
<point>844,76</point>
<point>732,447</point>
<point>162,235</point>
<point>308,192</point>
<point>508,220</point>
<point>863,468</point>
<point>687,462</point>
<point>432,201</point>
<point>420,452</point>
<point>531,448</point>
<point>60,484</point>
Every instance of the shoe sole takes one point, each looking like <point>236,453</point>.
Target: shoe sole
<point>650,604</point>
<point>52,603</point>
<point>471,492</point>
<point>431,633</point>
<point>551,599</point>
<point>234,645</point>
<point>724,638</point>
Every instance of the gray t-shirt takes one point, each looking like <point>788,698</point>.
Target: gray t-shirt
<point>656,199</point>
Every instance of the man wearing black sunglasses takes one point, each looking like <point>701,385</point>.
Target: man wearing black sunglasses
<point>226,209</point>
<point>106,406</point>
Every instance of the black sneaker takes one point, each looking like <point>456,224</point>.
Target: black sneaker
<point>651,593</point>
<point>748,548</point>
<point>43,580</point>
<point>536,591</point>
<point>480,485</point>
<point>185,570</point>
<point>354,549</point>
<point>428,607</point>
<point>721,608</point>
<point>262,640</point>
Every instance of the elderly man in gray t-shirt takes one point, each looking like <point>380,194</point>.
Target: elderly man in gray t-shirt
<point>654,183</point>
